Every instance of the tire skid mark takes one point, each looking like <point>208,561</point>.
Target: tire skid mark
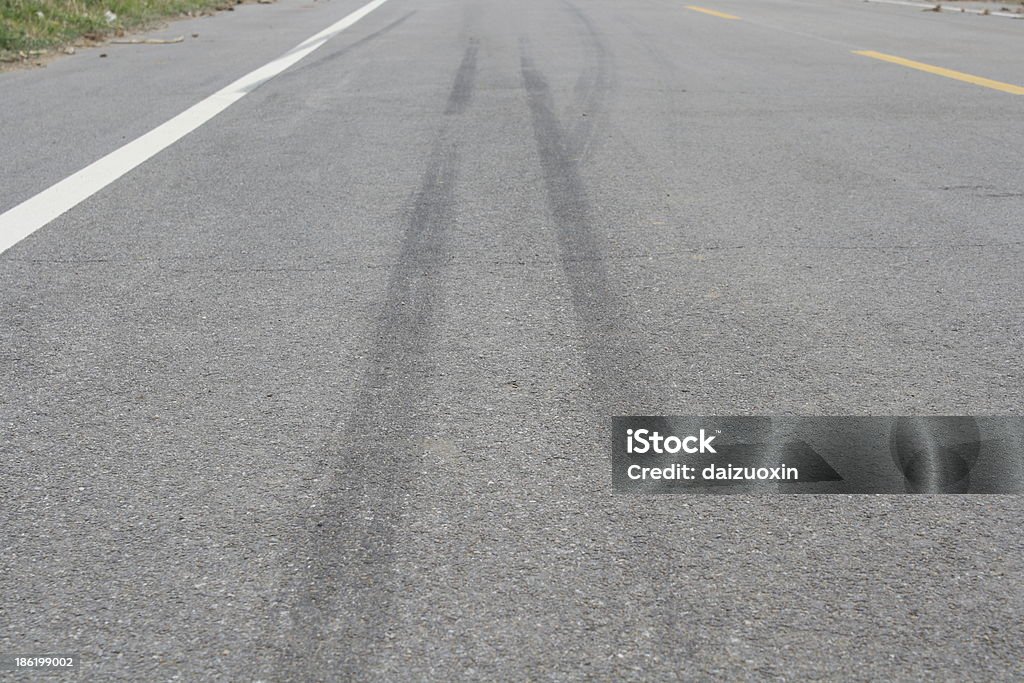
<point>614,356</point>
<point>344,51</point>
<point>340,602</point>
<point>465,81</point>
<point>592,86</point>
<point>611,358</point>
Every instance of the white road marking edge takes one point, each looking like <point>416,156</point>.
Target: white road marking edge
<point>24,219</point>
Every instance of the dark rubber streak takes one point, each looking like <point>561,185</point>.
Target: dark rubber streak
<point>465,80</point>
<point>344,592</point>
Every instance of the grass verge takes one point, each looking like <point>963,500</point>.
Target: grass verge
<point>29,28</point>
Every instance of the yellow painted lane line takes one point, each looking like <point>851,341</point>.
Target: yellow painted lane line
<point>939,71</point>
<point>720,15</point>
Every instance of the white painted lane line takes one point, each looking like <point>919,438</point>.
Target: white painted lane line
<point>24,219</point>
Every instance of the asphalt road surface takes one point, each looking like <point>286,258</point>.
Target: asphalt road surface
<point>321,391</point>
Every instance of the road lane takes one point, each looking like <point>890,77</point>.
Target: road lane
<point>22,220</point>
<point>711,12</point>
<point>951,39</point>
<point>96,106</point>
<point>948,73</point>
<point>323,388</point>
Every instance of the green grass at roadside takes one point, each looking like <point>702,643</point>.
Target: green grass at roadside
<point>27,26</point>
